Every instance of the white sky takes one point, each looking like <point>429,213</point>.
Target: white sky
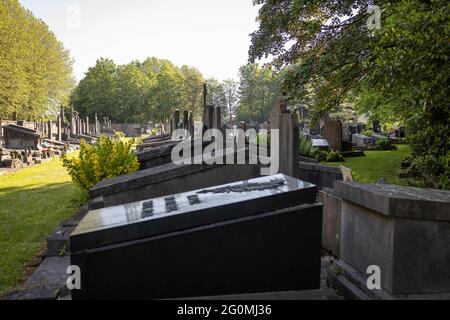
<point>212,35</point>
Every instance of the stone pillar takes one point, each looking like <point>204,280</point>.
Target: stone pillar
<point>176,118</point>
<point>59,138</point>
<point>96,124</point>
<point>191,124</point>
<point>49,130</point>
<point>88,129</point>
<point>286,123</point>
<point>208,116</point>
<point>73,123</point>
<point>186,120</point>
<point>217,118</point>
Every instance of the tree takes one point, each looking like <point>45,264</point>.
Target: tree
<point>258,88</point>
<point>216,93</point>
<point>168,94</point>
<point>193,88</point>
<point>132,94</point>
<point>96,92</point>
<point>230,88</point>
<point>35,69</point>
<point>331,55</point>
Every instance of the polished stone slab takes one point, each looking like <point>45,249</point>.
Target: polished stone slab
<point>153,217</point>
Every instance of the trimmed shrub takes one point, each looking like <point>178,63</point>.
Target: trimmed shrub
<point>106,158</point>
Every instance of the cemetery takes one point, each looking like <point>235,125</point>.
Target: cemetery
<point>148,181</point>
<point>309,217</point>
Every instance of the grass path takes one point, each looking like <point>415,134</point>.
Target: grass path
<point>32,203</point>
<point>377,164</point>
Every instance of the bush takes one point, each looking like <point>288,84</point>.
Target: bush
<point>106,158</point>
<point>334,156</point>
<point>430,157</point>
<point>384,144</point>
<point>369,133</point>
<point>306,148</point>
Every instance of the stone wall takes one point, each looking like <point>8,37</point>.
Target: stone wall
<point>320,175</point>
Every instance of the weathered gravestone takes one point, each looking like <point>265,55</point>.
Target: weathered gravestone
<point>332,131</point>
<point>286,123</point>
<point>260,235</point>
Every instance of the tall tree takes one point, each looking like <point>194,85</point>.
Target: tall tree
<point>193,88</point>
<point>332,52</point>
<point>96,92</point>
<point>258,87</point>
<point>230,88</point>
<point>35,69</point>
<point>215,94</point>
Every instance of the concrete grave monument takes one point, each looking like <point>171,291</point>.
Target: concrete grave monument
<point>260,235</point>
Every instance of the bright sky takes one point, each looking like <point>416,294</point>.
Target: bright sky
<point>212,35</point>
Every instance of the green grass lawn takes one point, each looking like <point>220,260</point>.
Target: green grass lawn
<point>377,164</point>
<point>33,201</point>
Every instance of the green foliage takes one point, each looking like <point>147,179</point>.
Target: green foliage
<point>305,147</point>
<point>368,133</point>
<point>430,157</point>
<point>376,165</point>
<point>258,88</point>
<point>35,69</point>
<point>396,74</point>
<point>334,156</point>
<point>106,158</point>
<point>138,91</point>
<point>384,144</point>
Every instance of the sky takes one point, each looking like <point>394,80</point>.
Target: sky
<point>211,35</point>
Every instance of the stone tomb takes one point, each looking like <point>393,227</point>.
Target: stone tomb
<point>260,235</point>
<point>18,137</point>
<point>403,230</point>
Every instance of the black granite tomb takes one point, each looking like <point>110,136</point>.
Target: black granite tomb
<point>261,235</point>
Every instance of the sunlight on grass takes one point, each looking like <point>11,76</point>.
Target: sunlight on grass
<point>377,164</point>
<point>33,201</point>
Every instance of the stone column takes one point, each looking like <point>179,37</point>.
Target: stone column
<point>59,138</point>
<point>88,129</point>
<point>49,130</point>
<point>286,123</point>
<point>208,116</point>
<point>73,123</point>
<point>96,124</point>
<point>191,124</point>
<point>176,118</point>
<point>217,118</point>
